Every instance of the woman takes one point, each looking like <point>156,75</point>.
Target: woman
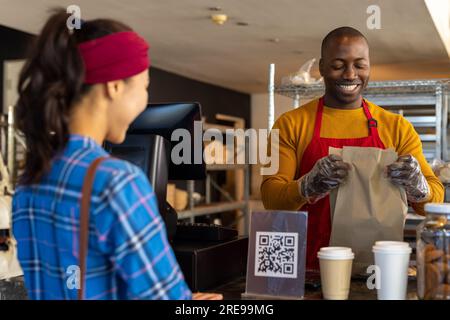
<point>78,89</point>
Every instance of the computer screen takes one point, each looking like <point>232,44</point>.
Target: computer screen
<point>162,119</point>
<point>148,145</point>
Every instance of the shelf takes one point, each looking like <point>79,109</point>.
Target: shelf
<point>219,127</point>
<point>422,122</point>
<point>397,100</point>
<point>424,103</point>
<point>427,137</point>
<point>212,208</point>
<point>415,87</point>
<point>225,167</point>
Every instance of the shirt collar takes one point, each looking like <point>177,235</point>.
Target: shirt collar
<point>77,141</point>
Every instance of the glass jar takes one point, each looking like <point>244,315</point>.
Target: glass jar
<point>433,253</point>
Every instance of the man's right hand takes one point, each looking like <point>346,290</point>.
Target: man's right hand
<point>328,173</point>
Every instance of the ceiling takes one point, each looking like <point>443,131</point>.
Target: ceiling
<point>184,40</point>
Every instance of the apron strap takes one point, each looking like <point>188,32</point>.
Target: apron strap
<point>371,122</point>
<point>84,222</point>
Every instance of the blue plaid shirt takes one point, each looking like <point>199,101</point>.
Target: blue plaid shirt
<point>129,256</point>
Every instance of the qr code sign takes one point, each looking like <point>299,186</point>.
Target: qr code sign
<point>276,254</point>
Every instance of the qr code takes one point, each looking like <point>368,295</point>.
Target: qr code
<point>276,254</point>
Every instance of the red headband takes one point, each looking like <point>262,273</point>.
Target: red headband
<point>115,56</point>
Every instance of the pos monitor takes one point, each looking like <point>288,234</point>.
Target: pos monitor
<point>148,145</point>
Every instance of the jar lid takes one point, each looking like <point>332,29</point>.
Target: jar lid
<point>437,208</point>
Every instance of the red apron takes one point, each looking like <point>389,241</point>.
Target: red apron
<point>319,216</point>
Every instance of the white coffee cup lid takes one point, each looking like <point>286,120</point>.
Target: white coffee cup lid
<point>391,243</point>
<point>391,247</point>
<point>335,253</point>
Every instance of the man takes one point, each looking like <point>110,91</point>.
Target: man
<point>341,118</point>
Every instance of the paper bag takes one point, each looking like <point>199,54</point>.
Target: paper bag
<point>367,207</point>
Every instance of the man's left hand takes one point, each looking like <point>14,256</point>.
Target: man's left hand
<point>406,172</point>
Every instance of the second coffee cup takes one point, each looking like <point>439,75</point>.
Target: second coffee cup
<point>335,272</point>
<point>392,259</point>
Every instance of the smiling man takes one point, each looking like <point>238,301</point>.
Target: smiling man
<point>341,118</point>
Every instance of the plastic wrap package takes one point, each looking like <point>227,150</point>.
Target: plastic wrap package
<point>328,173</point>
<point>441,169</point>
<point>9,264</point>
<point>302,76</point>
<point>406,172</point>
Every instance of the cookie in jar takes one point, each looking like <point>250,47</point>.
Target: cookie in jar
<point>433,253</point>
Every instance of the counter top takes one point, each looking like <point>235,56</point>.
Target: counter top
<point>358,291</point>
<point>14,289</point>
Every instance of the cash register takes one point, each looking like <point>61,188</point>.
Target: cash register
<point>208,254</point>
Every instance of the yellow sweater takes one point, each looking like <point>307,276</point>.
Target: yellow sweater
<point>280,191</point>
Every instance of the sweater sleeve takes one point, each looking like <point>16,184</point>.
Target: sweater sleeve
<point>280,191</point>
<point>409,143</point>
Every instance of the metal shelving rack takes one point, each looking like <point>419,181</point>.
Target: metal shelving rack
<point>209,207</point>
<point>231,204</point>
<point>423,102</point>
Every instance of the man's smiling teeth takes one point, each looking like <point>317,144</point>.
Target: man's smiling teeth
<point>348,87</point>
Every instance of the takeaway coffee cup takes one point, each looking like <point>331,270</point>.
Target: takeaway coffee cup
<point>392,259</point>
<point>335,272</point>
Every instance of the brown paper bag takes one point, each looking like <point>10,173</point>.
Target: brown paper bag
<point>367,207</point>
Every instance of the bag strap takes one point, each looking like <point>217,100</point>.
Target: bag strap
<point>86,192</point>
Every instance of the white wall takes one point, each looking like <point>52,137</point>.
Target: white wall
<point>259,120</point>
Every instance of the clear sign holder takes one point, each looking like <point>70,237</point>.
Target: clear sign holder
<point>276,255</point>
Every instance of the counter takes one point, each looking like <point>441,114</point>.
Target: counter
<point>14,289</point>
<point>358,291</point>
